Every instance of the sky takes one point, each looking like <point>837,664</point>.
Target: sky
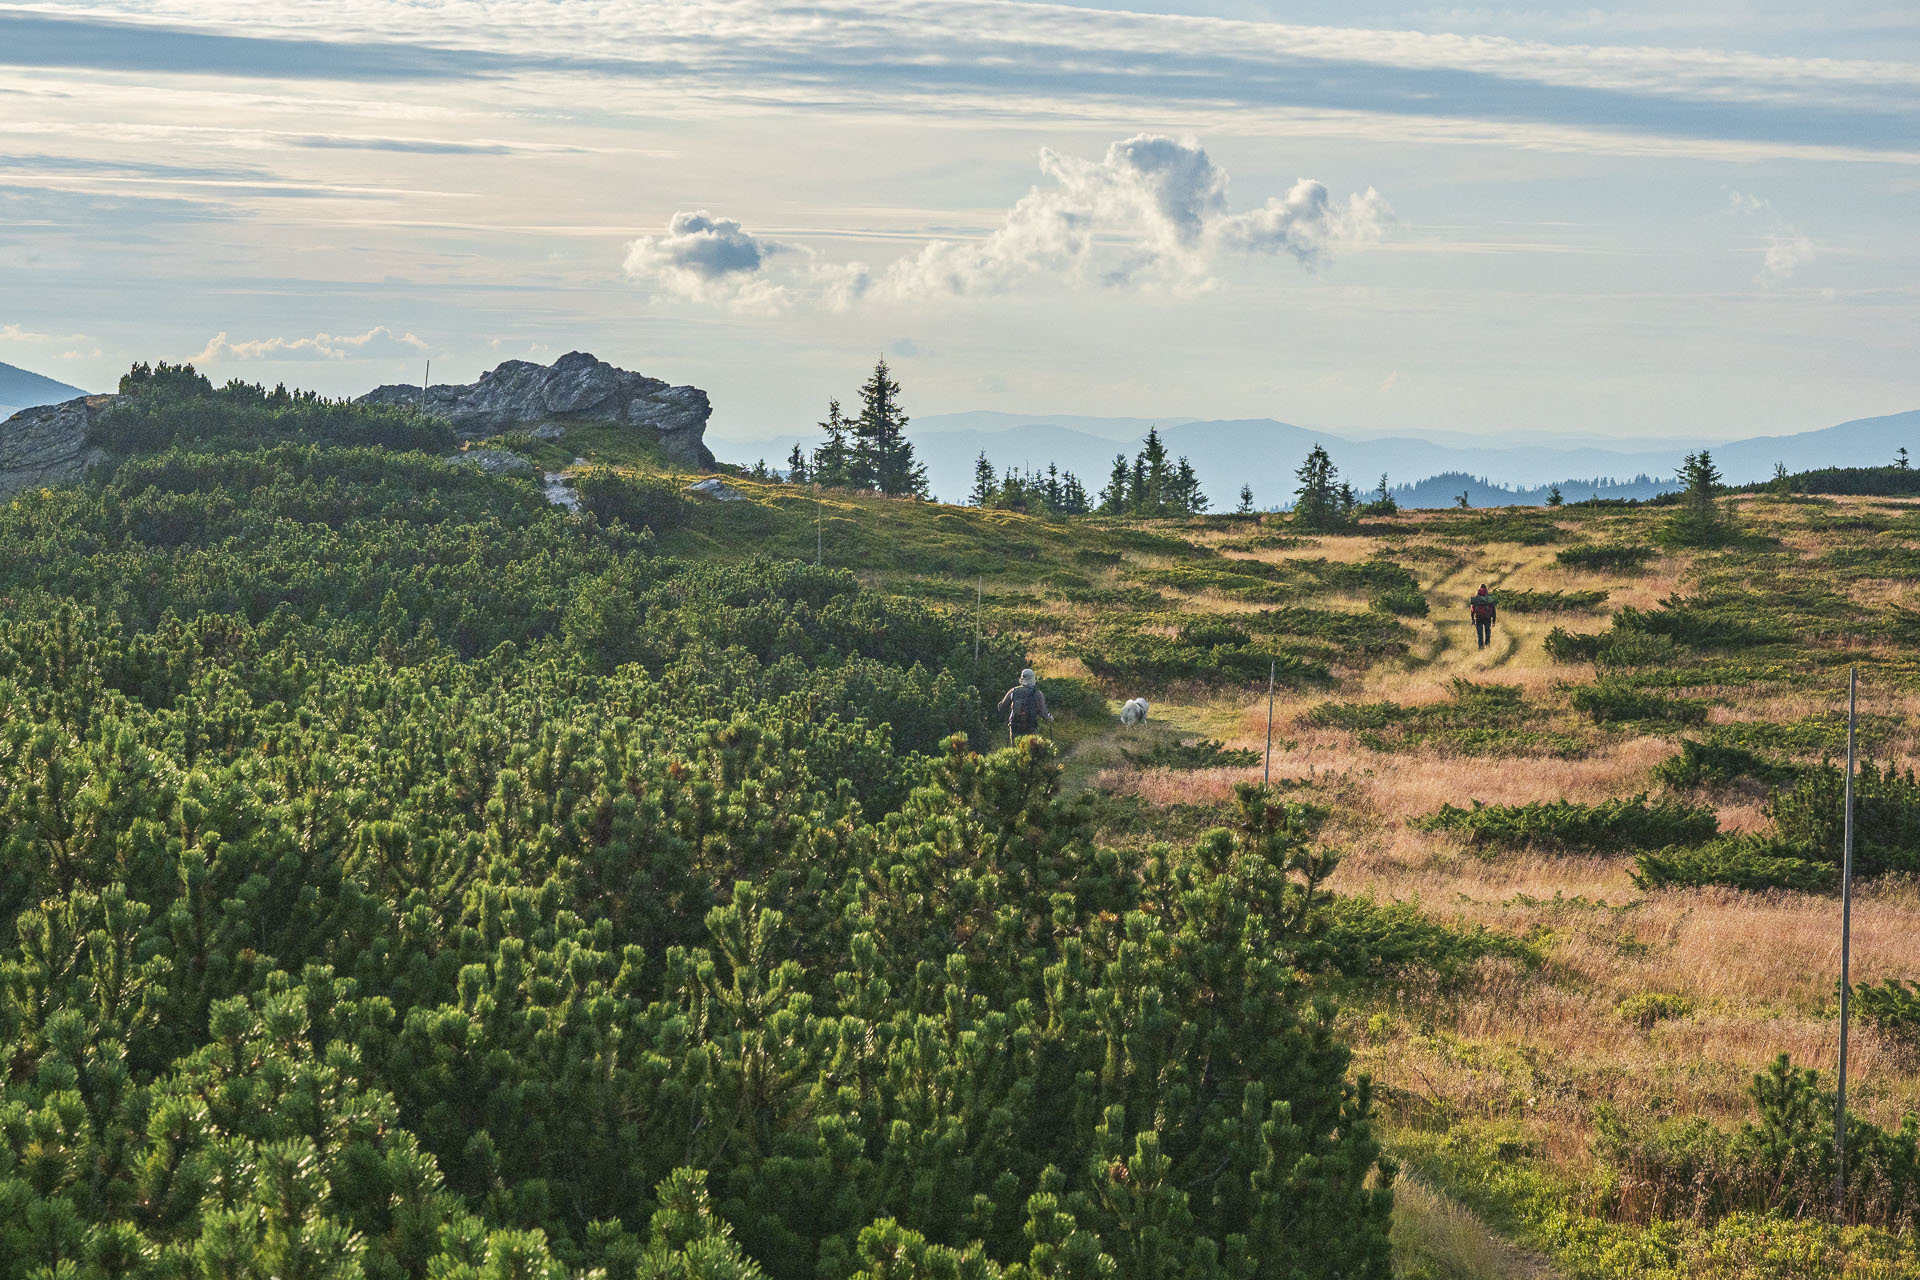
<point>1556,221</point>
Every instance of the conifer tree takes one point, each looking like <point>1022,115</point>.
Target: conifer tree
<point>1116,497</point>
<point>1156,476</point>
<point>1246,501</point>
<point>797,465</point>
<point>986,485</point>
<point>1187,499</point>
<point>1316,503</point>
<point>833,459</point>
<point>1554,496</point>
<point>883,456</point>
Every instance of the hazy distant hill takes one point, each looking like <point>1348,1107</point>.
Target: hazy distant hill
<point>23,389</point>
<point>1263,453</point>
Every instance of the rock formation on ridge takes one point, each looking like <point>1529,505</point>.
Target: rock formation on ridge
<point>50,444</point>
<point>574,390</point>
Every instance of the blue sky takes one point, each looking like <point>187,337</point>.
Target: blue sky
<point>1555,220</point>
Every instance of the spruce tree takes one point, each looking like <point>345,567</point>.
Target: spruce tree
<point>1073,496</point>
<point>797,466</point>
<point>833,460</point>
<point>1189,500</point>
<point>985,483</point>
<point>1115,497</point>
<point>1246,501</point>
<point>1316,503</point>
<point>883,456</point>
<point>1156,476</point>
<point>1554,497</point>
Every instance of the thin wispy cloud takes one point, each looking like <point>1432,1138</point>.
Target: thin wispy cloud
<point>961,55</point>
<point>378,343</point>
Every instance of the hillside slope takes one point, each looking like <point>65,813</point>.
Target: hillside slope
<point>24,389</point>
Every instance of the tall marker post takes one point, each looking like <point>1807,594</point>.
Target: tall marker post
<point>979,588</point>
<point>1266,774</point>
<point>1846,957</point>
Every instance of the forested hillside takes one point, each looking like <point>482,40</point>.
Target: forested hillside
<point>400,876</point>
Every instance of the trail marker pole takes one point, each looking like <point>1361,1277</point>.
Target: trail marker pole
<point>819,521</point>
<point>979,589</point>
<point>1846,957</point>
<point>1266,774</point>
<point>425,378</point>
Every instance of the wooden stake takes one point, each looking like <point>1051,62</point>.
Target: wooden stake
<point>1846,957</point>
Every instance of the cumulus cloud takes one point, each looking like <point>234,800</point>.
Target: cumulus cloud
<point>1153,210</point>
<point>1151,213</point>
<point>707,259</point>
<point>378,343</point>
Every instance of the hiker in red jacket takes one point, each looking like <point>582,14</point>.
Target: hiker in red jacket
<point>1480,609</point>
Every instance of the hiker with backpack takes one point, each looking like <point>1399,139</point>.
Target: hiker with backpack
<point>1025,706</point>
<point>1480,609</point>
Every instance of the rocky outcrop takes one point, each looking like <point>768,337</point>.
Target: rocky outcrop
<point>575,390</point>
<point>51,444</point>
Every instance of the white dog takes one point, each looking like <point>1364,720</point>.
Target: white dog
<point>1134,712</point>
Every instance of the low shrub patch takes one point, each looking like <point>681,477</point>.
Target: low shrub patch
<point>1550,601</point>
<point>1649,1008</point>
<point>1608,702</point>
<point>1750,862</point>
<point>1714,763</point>
<point>1364,938</point>
<point>1626,558</point>
<point>651,502</point>
<point>1401,602</point>
<point>1207,753</point>
<point>1609,825</point>
<point>1892,1008</point>
<point>1143,660</point>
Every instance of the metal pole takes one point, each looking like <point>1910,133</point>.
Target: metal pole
<point>1846,957</point>
<point>978,590</point>
<point>424,380</point>
<point>1266,774</point>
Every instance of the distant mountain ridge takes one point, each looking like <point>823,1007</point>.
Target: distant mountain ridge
<point>1263,453</point>
<point>25,389</point>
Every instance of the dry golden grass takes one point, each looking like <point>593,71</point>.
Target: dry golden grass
<point>1541,1047</point>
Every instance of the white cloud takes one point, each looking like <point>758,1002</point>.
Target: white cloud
<point>707,259</point>
<point>1152,211</point>
<point>378,343</point>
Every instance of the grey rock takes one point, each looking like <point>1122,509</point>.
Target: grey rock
<point>576,389</point>
<point>51,444</point>
<point>559,488</point>
<point>717,489</point>
<point>495,462</point>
